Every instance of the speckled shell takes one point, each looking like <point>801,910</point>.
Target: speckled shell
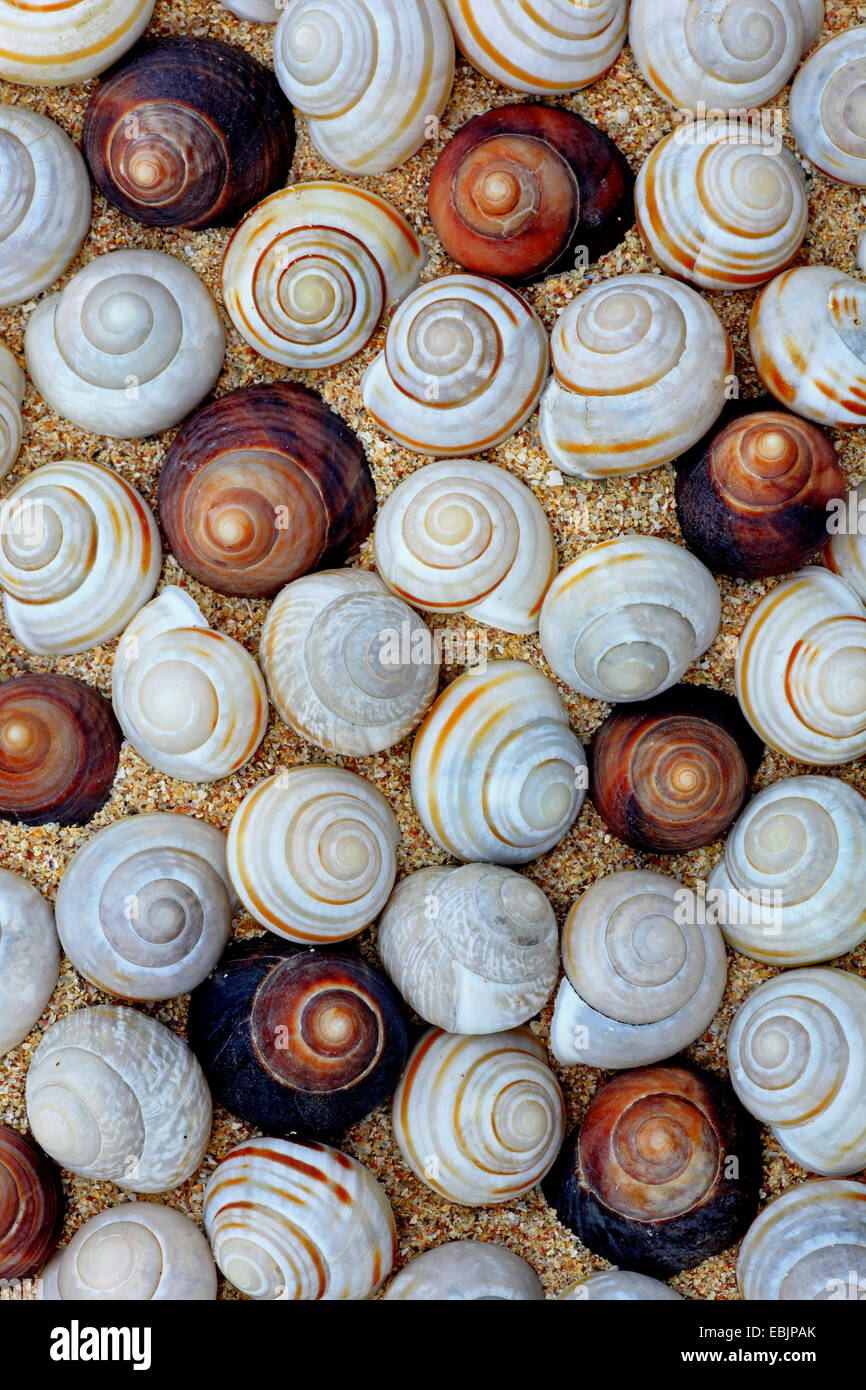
<point>470,1270</point>
<point>641,364</point>
<point>30,1205</point>
<point>826,107</point>
<point>311,853</point>
<point>463,368</point>
<point>369,78</point>
<point>191,701</point>
<point>797,1055</point>
<point>619,1286</point>
<point>308,274</point>
<point>12,386</point>
<point>471,950</point>
<point>540,46</point>
<point>497,774</point>
<point>846,553</point>
<point>479,1119</point>
<point>114,1096</point>
<point>29,958</point>
<point>810,1243</point>
<point>47,44</point>
<point>628,617</point>
<point>44,201</point>
<point>644,976</point>
<point>136,1251</point>
<point>298,1221</point>
<point>131,344</point>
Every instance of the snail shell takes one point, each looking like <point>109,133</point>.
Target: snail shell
<point>190,701</point>
<point>311,853</point>
<point>80,555</point>
<point>288,1220</point>
<point>369,78</point>
<point>30,1205</point>
<point>846,553</point>
<point>463,368</point>
<point>647,1182</point>
<point>114,1096</point>
<point>129,346</point>
<point>720,205</point>
<point>12,386</point>
<point>348,666</point>
<point>260,11</point>
<point>517,188</point>
<point>188,132</point>
<point>262,485</point>
<point>44,201</point>
<point>497,774</point>
<point>297,1041</point>
<point>801,669</point>
<point>308,274</point>
<point>471,1270</point>
<point>29,958</point>
<point>797,1054</point>
<point>136,1251</point>
<point>59,750</point>
<point>644,978</point>
<point>810,1243</point>
<point>619,1286</point>
<point>479,1119</point>
<point>473,949</point>
<point>540,46</point>
<point>144,908</point>
<point>826,107</point>
<point>640,365</point>
<point>54,45</point>
<point>628,617</point>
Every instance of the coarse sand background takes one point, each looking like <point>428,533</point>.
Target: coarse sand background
<point>580,512</point>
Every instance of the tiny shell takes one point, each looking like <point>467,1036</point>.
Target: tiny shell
<point>31,1205</point>
<point>136,1251</point>
<point>12,387</point>
<point>810,1243</point>
<point>827,107</point>
<point>540,46</point>
<point>46,44</point>
<point>619,1286</point>
<point>29,958</point>
<point>466,1270</point>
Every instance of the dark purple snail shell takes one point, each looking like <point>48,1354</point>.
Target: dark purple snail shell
<point>31,1205</point>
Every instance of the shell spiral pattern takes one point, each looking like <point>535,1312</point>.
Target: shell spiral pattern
<point>846,553</point>
<point>136,1251</point>
<point>467,1270</point>
<point>29,958</point>
<point>47,44</point>
<point>30,1205</point>
<point>827,105</point>
<point>810,1243</point>
<point>12,386</point>
<point>540,46</point>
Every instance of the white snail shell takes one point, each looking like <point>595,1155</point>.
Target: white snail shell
<point>136,1251</point>
<point>801,669</point>
<point>464,536</point>
<point>627,618</point>
<point>463,368</point>
<point>131,344</point>
<point>29,958</point>
<point>191,701</point>
<point>311,853</point>
<point>12,386</point>
<point>479,1119</point>
<point>497,774</point>
<point>472,949</point>
<point>721,205</point>
<point>826,109</point>
<point>846,553</point>
<point>466,1269</point>
<point>644,977</point>
<point>789,890</point>
<point>348,666</point>
<point>641,363</point>
<point>80,555</point>
<point>309,272</point>
<point>370,78</point>
<point>797,1055</point>
<point>810,1243</point>
<point>288,1220</point>
<point>619,1286</point>
<point>540,46</point>
<point>114,1096</point>
<point>260,11</point>
<point>44,202</point>
<point>52,45</point>
<point>144,908</point>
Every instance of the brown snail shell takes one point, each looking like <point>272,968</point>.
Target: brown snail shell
<point>30,1205</point>
<point>672,773</point>
<point>188,132</point>
<point>261,486</point>
<point>517,189</point>
<point>59,749</point>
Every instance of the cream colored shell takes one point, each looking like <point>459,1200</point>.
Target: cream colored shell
<point>471,1270</point>
<point>372,78</point>
<point>628,617</point>
<point>463,368</point>
<point>12,386</point>
<point>288,1220</point>
<point>29,958</point>
<point>801,669</point>
<point>641,365</point>
<point>46,44</point>
<point>114,1096</point>
<point>79,556</point>
<point>260,11</point>
<point>619,1286</point>
<point>644,975</point>
<point>133,1252</point>
<point>480,1120</point>
<point>797,1058</point>
<point>349,666</point>
<point>497,774</point>
<point>846,553</point>
<point>311,853</point>
<point>540,46</point>
<point>131,344</point>
<point>810,1243</point>
<point>827,105</point>
<point>309,272</point>
<point>191,701</point>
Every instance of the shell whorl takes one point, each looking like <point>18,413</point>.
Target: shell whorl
<point>12,386</point>
<point>846,553</point>
<point>827,105</point>
<point>29,958</point>
<point>52,45</point>
<point>540,46</point>
<point>30,1205</point>
<point>259,11</point>
<point>619,1286</point>
<point>468,1270</point>
<point>810,1243</point>
<point>135,1251</point>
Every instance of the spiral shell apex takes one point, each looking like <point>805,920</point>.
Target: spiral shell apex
<point>298,1221</point>
<point>12,387</point>
<point>846,553</point>
<point>619,1286</point>
<point>53,45</point>
<point>479,1119</point>
<point>827,102</point>
<point>30,1205</point>
<point>29,958</point>
<point>810,1243</point>
<point>540,46</point>
<point>135,1251</point>
<point>467,1270</point>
